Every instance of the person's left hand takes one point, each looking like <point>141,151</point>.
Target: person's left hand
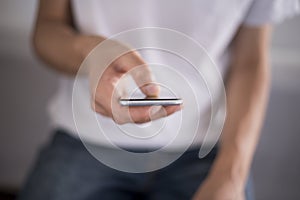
<point>218,187</point>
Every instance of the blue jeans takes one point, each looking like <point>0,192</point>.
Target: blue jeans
<point>65,170</point>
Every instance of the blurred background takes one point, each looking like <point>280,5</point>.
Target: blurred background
<point>26,86</point>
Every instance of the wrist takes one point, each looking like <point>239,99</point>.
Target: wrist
<point>232,165</point>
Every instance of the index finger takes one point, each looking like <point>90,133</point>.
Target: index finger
<point>140,72</point>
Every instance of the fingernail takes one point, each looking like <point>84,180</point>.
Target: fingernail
<point>151,89</point>
<point>155,109</point>
<point>178,108</point>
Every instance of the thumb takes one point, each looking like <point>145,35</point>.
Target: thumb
<point>150,89</point>
<point>140,72</point>
<point>144,79</point>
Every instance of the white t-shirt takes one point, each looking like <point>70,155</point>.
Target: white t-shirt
<point>212,23</point>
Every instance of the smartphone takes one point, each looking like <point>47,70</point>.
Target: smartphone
<point>151,102</point>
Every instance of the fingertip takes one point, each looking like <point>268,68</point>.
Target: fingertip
<point>151,89</point>
<point>155,109</point>
<point>173,109</point>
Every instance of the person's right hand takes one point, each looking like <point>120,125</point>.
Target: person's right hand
<point>105,94</point>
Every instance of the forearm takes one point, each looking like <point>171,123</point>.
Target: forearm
<point>60,46</point>
<point>247,94</point>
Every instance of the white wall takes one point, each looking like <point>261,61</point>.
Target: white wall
<point>25,86</point>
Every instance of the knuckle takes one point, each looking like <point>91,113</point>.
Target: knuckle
<point>119,65</point>
<point>119,121</point>
<point>93,105</point>
<point>144,117</point>
<point>100,111</point>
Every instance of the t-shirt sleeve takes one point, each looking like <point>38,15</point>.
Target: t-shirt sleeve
<point>270,11</point>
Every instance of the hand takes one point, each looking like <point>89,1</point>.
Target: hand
<point>105,94</point>
<point>220,188</point>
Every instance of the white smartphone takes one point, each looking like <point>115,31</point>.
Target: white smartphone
<point>151,102</point>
